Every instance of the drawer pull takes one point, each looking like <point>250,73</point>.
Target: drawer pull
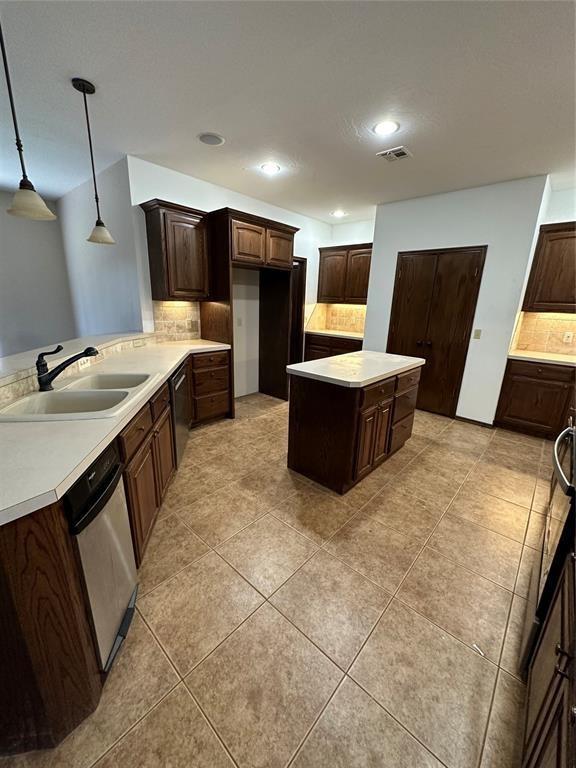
<point>560,672</point>
<point>559,651</point>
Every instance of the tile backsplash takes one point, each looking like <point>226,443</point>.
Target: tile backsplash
<point>337,317</point>
<point>546,332</point>
<point>176,320</point>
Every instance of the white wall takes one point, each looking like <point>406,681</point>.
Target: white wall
<point>502,216</point>
<point>148,181</point>
<point>246,298</point>
<point>561,206</point>
<point>107,283</point>
<point>352,232</point>
<point>35,302</point>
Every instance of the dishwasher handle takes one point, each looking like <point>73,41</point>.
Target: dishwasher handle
<point>96,505</point>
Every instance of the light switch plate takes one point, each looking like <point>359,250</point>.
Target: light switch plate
<point>568,337</point>
<point>477,333</point>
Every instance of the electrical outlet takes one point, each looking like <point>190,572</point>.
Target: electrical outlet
<point>138,343</point>
<point>84,362</point>
<point>568,337</point>
<point>477,333</point>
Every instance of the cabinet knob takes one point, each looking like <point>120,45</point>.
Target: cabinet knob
<point>539,370</point>
<point>419,343</point>
<point>428,343</point>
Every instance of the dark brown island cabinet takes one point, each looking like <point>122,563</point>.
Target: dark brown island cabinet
<point>536,398</point>
<point>50,678</point>
<point>552,282</point>
<point>177,251</point>
<point>319,345</point>
<point>343,274</point>
<point>339,431</point>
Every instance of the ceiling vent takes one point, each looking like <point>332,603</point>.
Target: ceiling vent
<point>397,153</point>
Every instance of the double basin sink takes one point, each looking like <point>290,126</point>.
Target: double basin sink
<point>94,396</point>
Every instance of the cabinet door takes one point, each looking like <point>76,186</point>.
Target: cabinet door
<point>248,243</point>
<point>163,449</point>
<point>552,283</point>
<point>279,249</point>
<point>314,352</point>
<point>357,274</point>
<point>332,276</point>
<point>382,431</point>
<point>550,680</point>
<point>533,405</point>
<point>365,447</point>
<point>142,495</point>
<point>186,259</point>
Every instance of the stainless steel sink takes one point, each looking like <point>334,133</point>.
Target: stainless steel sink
<point>61,405</point>
<point>101,381</point>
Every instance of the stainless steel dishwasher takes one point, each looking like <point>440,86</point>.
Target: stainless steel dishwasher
<point>98,517</point>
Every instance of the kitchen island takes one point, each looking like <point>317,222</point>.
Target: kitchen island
<point>349,413</point>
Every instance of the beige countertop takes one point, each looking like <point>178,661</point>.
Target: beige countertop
<point>40,460</point>
<point>355,369</point>
<point>542,357</point>
<point>341,334</point>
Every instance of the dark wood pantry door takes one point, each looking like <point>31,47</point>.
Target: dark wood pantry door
<point>435,295</point>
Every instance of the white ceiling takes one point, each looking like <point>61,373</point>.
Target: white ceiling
<point>484,91</point>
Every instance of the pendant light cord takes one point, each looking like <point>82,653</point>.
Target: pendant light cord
<point>92,158</point>
<point>12,107</point>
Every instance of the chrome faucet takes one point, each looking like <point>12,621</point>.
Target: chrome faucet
<point>46,377</point>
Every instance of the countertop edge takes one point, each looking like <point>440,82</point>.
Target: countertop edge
<point>355,384</point>
<point>49,496</point>
<point>533,357</point>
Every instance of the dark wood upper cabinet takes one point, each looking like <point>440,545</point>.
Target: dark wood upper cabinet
<point>357,275</point>
<point>248,243</point>
<point>245,240</point>
<point>177,251</point>
<point>279,248</point>
<point>343,274</point>
<point>332,276</point>
<point>552,282</point>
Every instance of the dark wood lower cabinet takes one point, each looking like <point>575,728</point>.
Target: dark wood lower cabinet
<point>49,674</point>
<point>319,345</point>
<point>338,435</point>
<point>146,480</point>
<point>549,737</point>
<point>211,389</point>
<point>535,398</point>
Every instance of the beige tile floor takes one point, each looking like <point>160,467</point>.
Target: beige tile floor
<point>280,624</point>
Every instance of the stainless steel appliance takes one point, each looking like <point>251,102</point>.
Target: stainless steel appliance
<point>98,517</point>
<point>557,539</point>
<point>180,402</point>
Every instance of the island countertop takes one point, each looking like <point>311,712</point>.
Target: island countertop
<point>355,369</point>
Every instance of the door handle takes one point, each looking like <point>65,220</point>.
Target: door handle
<point>428,343</point>
<point>419,343</point>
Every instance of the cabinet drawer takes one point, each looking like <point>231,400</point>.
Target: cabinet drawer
<point>210,406</point>
<point>132,436</point>
<point>317,339</point>
<point>544,371</point>
<point>210,380</point>
<point>159,401</point>
<point>345,345</point>
<point>375,393</point>
<point>408,380</point>
<point>405,404</point>
<point>400,432</point>
<point>209,360</point>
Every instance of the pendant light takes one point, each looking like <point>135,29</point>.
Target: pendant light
<point>26,203</point>
<point>100,233</point>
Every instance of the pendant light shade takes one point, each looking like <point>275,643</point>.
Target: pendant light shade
<point>100,234</point>
<point>26,203</point>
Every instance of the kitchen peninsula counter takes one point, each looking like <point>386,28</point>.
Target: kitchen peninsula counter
<point>349,413</point>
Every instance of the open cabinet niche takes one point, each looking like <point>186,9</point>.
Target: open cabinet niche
<point>261,330</point>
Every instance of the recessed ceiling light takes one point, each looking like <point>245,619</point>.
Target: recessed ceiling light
<point>385,128</point>
<point>338,213</point>
<point>270,169</point>
<point>212,139</point>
